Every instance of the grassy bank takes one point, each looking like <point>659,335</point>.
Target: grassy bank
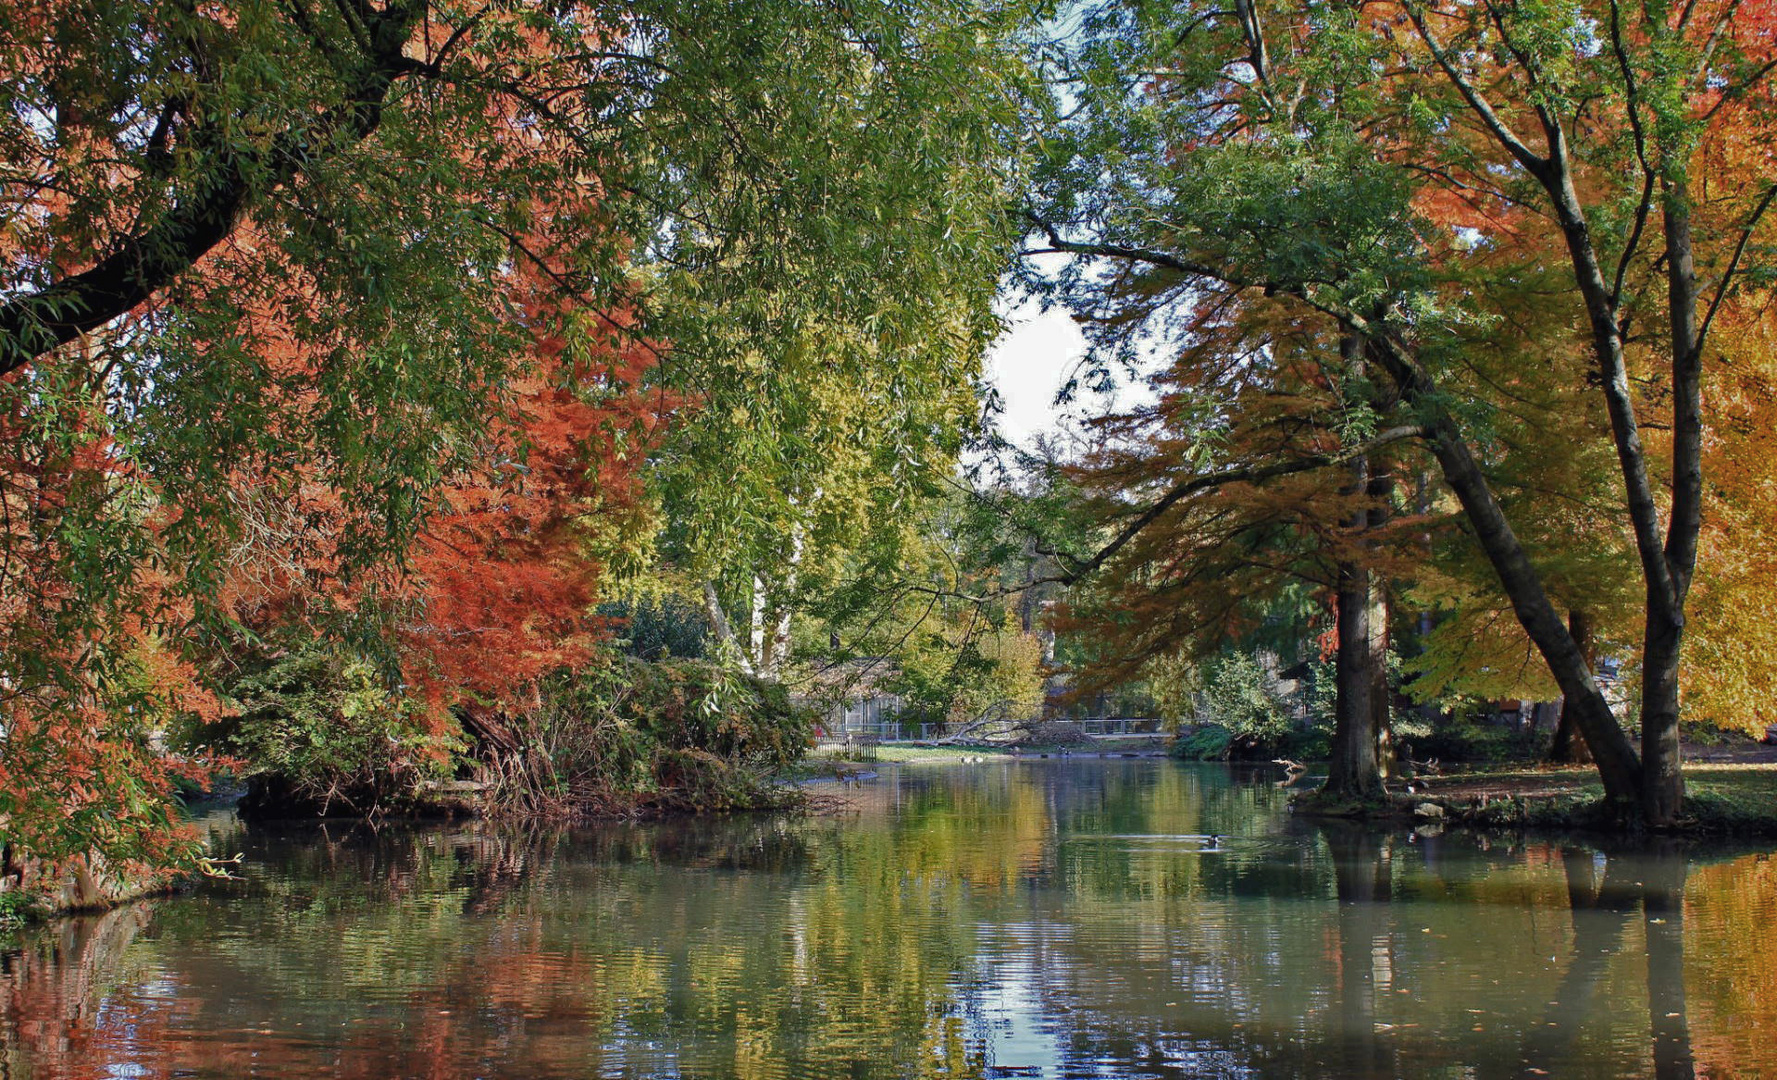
<point>1722,799</point>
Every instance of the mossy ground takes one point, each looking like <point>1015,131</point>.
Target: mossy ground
<point>1722,799</point>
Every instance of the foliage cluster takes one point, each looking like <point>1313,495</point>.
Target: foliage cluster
<point>1241,696</point>
<point>321,729</point>
<point>15,910</point>
<point>1437,291</point>
<point>629,735</point>
<point>1240,707</point>
<point>956,674</point>
<point>364,324</point>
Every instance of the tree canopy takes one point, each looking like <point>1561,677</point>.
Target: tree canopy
<point>417,280</point>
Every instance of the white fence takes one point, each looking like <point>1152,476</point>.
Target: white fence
<point>1096,727</point>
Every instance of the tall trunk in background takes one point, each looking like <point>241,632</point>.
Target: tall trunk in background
<point>1381,492</point>
<point>782,609</point>
<point>1360,667</point>
<point>1027,596</point>
<point>1570,747</point>
<point>724,630</point>
<point>756,639</point>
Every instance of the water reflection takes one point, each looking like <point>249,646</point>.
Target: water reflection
<point>1054,919</point>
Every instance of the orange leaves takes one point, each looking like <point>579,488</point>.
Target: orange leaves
<point>1731,654</point>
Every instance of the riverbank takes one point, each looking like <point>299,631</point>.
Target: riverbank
<point>930,753</point>
<point>1723,799</point>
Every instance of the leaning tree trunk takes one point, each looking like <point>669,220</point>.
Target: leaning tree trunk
<point>1619,767</point>
<point>1569,747</point>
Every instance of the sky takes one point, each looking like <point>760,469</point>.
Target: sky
<point>1032,360</point>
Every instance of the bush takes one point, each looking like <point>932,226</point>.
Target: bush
<point>659,628</point>
<point>16,910</point>
<point>1467,740</point>
<point>956,678</point>
<point>628,734</point>
<point>1240,695</point>
<point>322,731</point>
<point>1211,742</point>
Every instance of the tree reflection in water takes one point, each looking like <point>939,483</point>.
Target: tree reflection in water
<point>1050,919</point>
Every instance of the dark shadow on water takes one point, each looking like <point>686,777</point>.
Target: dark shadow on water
<point>1602,895</point>
<point>1662,907</point>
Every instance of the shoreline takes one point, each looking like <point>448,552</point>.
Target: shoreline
<point>1723,800</point>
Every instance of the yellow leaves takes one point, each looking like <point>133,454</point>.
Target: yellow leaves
<point>1730,662</point>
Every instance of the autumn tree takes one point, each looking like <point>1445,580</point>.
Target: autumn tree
<point>1419,136</point>
<point>281,240</point>
<point>1258,472</point>
<point>1561,492</point>
<point>1733,615</point>
<point>933,608</point>
<point>1279,433</point>
<point>1673,82</point>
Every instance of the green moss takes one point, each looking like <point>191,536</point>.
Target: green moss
<point>16,911</point>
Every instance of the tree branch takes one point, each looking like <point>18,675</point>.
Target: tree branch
<point>143,264</point>
<point>1251,474</point>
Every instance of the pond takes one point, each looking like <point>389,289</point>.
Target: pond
<point>1033,918</point>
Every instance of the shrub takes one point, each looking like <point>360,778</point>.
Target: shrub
<point>16,909</point>
<point>629,734</point>
<point>1211,742</point>
<point>1240,695</point>
<point>320,730</point>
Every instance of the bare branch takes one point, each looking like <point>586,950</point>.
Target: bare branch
<point>1727,277</point>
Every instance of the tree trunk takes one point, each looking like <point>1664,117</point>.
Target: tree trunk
<point>1381,508</point>
<point>783,610</point>
<point>1360,673</point>
<point>712,604</point>
<point>756,639</point>
<point>1619,767</point>
<point>1667,561</point>
<point>1662,776</point>
<point>1355,770</point>
<point>1570,747</point>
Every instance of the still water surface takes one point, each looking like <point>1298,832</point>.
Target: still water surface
<point>1043,918</point>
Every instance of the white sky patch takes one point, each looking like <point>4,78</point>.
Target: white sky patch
<point>1036,356</point>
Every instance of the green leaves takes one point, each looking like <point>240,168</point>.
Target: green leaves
<point>299,255</point>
